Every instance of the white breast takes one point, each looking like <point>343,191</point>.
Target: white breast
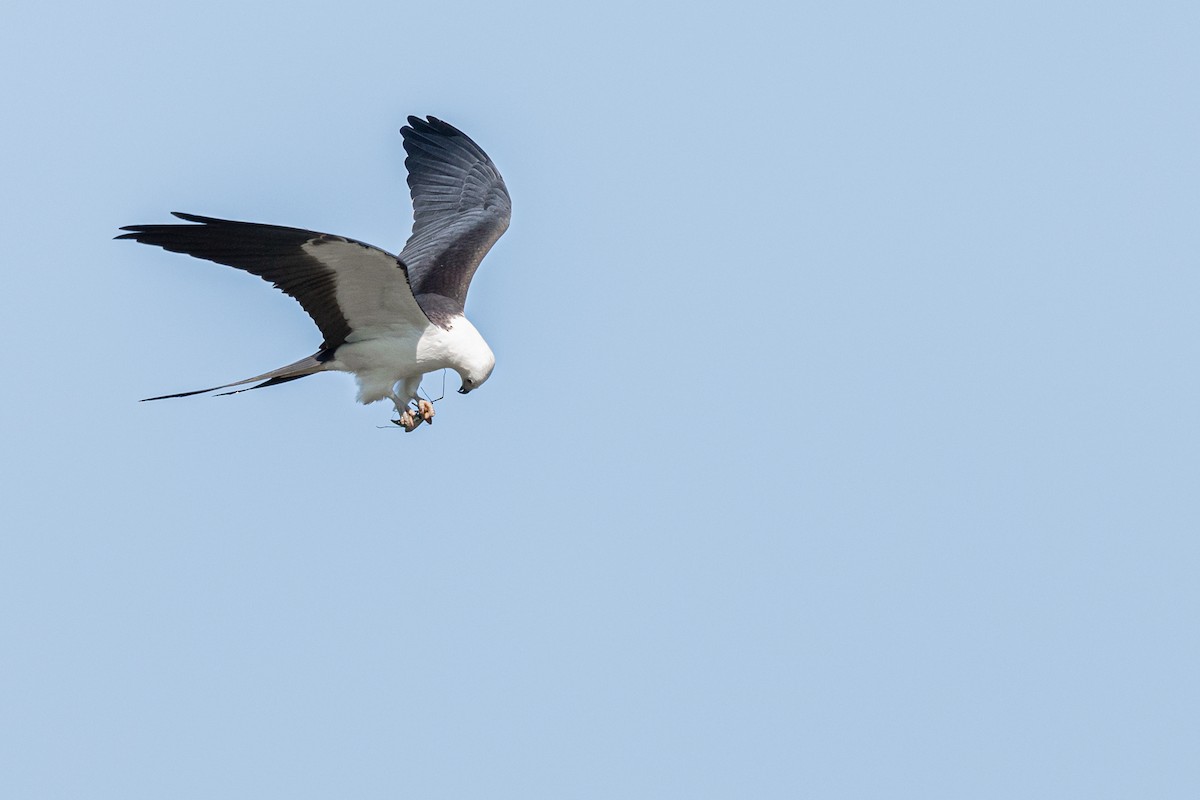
<point>403,353</point>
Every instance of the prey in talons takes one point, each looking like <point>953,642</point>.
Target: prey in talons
<point>412,417</point>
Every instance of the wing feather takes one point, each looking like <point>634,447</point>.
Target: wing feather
<point>460,208</point>
<point>348,288</point>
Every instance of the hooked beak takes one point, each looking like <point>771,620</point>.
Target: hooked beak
<point>462,390</point>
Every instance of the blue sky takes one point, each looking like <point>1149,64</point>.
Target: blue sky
<point>842,442</point>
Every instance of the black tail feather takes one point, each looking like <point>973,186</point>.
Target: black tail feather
<point>272,382</point>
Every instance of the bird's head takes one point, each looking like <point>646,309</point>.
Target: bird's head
<point>474,375</point>
<point>470,355</point>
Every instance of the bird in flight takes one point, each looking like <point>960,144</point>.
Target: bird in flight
<point>386,319</point>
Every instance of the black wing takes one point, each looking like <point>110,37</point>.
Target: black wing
<point>460,208</point>
<point>344,285</point>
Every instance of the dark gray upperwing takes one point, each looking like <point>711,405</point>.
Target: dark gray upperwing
<point>460,208</point>
<point>279,255</point>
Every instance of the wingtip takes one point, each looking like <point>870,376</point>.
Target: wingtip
<point>414,124</point>
<point>183,215</point>
<point>430,124</point>
<point>134,231</point>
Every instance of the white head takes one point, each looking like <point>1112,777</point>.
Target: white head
<point>472,359</point>
<point>475,372</point>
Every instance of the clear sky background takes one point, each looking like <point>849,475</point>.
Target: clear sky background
<point>843,441</point>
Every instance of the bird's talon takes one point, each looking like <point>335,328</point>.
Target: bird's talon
<point>426,410</point>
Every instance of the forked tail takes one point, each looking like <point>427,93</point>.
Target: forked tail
<point>304,367</point>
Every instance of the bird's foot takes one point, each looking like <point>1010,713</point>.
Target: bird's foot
<point>408,421</point>
<point>425,409</point>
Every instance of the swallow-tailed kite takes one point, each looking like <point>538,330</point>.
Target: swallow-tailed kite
<point>388,320</point>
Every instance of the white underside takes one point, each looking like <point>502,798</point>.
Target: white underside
<point>391,339</point>
<point>381,358</point>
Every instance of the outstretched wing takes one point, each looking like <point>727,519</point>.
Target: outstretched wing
<point>350,289</point>
<point>460,208</point>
